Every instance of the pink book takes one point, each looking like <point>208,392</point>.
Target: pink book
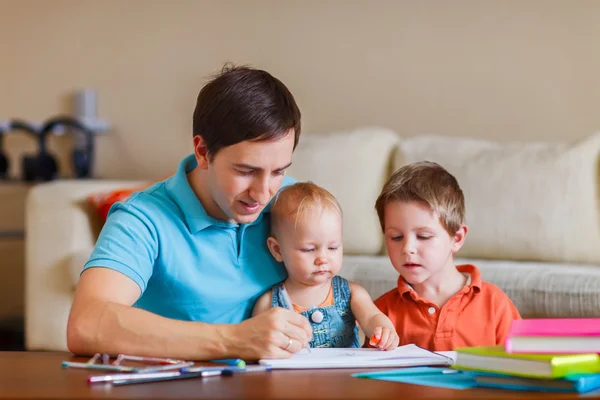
<point>556,327</point>
<point>559,336</point>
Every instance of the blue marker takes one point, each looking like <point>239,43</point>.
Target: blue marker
<point>234,362</point>
<point>233,369</point>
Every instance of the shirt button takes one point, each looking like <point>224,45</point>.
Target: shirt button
<point>431,310</point>
<point>317,317</point>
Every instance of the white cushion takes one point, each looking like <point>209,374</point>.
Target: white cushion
<point>61,230</point>
<point>524,201</point>
<point>353,166</point>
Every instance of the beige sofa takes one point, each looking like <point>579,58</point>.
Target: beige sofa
<point>532,209</point>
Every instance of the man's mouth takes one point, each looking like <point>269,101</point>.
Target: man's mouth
<point>250,207</point>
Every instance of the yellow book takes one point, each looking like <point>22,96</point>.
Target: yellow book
<point>495,359</point>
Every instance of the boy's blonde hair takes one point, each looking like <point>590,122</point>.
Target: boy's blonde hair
<point>295,201</point>
<point>429,183</point>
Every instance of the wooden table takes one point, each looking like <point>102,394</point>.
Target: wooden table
<point>39,375</point>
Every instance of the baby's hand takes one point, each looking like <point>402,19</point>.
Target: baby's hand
<point>384,338</point>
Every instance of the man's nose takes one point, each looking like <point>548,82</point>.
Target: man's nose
<point>260,190</point>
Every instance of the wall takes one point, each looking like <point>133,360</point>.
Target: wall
<point>511,69</point>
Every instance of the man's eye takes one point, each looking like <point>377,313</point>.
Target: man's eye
<point>245,173</point>
<point>279,173</point>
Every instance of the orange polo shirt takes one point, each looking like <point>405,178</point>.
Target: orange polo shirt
<point>480,314</point>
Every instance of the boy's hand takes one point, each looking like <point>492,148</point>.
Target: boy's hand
<point>384,338</point>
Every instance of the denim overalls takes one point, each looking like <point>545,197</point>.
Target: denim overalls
<point>338,327</point>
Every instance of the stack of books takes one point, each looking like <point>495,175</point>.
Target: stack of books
<point>539,354</point>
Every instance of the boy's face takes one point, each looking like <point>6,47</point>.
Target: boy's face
<point>244,177</point>
<point>312,250</point>
<point>417,243</point>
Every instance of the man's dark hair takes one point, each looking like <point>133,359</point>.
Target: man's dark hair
<point>242,103</point>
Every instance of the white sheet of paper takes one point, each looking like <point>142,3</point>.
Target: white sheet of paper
<point>404,356</point>
<point>449,354</point>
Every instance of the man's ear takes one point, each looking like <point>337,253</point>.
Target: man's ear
<point>274,248</point>
<point>201,152</point>
<point>459,238</point>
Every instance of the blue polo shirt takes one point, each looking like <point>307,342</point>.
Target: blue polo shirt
<point>188,265</point>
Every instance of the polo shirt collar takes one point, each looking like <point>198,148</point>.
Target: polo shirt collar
<point>182,194</point>
<point>473,279</point>
<point>403,286</point>
<point>193,211</point>
<point>471,270</point>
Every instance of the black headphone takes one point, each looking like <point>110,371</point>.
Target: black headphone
<point>3,158</point>
<point>13,125</point>
<point>81,158</point>
<point>43,166</point>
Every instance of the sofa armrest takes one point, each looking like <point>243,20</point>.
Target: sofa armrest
<point>60,231</point>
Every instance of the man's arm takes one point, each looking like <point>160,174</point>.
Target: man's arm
<point>103,320</point>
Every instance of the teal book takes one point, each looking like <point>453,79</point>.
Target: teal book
<point>568,384</point>
<point>424,376</point>
<point>457,379</point>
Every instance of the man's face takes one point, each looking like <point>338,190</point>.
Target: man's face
<point>244,177</point>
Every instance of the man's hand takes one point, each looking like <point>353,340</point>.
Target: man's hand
<point>276,333</point>
<point>384,338</point>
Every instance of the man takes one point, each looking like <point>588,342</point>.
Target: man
<point>177,268</point>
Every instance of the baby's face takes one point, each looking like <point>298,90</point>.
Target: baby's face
<point>312,250</point>
<point>417,243</point>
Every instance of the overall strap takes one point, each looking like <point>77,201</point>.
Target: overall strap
<point>341,293</point>
<point>276,298</point>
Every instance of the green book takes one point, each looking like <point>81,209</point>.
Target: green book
<point>495,359</point>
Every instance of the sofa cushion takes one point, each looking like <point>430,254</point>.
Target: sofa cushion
<point>353,166</point>
<point>61,227</point>
<point>524,201</point>
<point>546,290</point>
<point>538,289</point>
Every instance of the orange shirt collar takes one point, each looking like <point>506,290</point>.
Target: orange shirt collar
<point>472,270</point>
<point>329,301</point>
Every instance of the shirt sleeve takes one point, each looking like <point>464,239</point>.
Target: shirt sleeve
<point>128,243</point>
<point>506,314</point>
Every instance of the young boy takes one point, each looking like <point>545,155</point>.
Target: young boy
<point>437,305</point>
<point>306,228</point>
